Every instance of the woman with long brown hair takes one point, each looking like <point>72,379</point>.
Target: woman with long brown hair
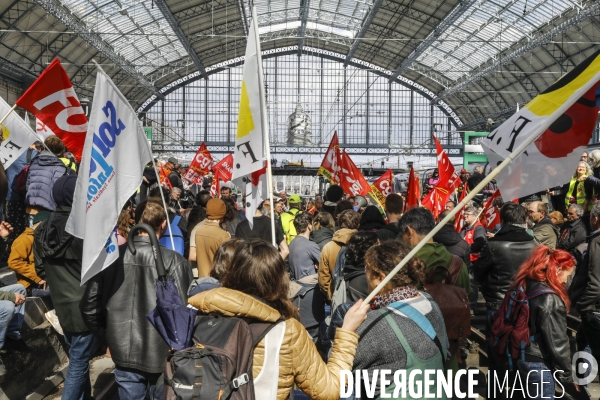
<point>549,350</point>
<point>256,287</point>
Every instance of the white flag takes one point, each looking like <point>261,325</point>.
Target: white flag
<point>248,155</point>
<point>256,192</point>
<point>562,118</point>
<point>16,135</point>
<point>112,164</point>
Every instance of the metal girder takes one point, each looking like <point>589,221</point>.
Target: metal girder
<point>494,116</point>
<point>444,24</point>
<point>82,30</point>
<point>585,13</point>
<point>304,9</point>
<point>363,30</point>
<point>17,69</point>
<point>164,9</point>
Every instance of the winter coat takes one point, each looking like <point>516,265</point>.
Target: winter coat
<point>371,220</point>
<point>546,233</point>
<point>388,232</point>
<point>13,170</point>
<point>21,259</point>
<point>44,171</point>
<point>329,255</point>
<point>58,257</point>
<point>453,242</point>
<point>572,235</point>
<point>299,360</point>
<point>322,237</point>
<point>585,289</point>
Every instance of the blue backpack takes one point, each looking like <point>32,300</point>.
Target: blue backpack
<point>178,240</point>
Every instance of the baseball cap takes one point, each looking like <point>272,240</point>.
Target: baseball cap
<point>295,199</point>
<point>463,171</point>
<point>173,160</point>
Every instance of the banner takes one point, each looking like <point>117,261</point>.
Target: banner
<point>330,166</point>
<point>224,168</point>
<point>16,135</point>
<point>200,165</point>
<point>413,191</point>
<point>52,99</point>
<point>382,187</point>
<point>249,149</point>
<point>113,161</point>
<point>490,216</point>
<point>352,180</point>
<point>562,118</point>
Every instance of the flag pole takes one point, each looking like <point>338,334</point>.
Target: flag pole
<point>265,126</point>
<point>7,114</point>
<point>452,213</point>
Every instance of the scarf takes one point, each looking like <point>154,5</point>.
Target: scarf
<point>397,294</point>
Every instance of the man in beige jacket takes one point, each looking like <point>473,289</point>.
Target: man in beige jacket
<point>348,222</point>
<point>210,236</point>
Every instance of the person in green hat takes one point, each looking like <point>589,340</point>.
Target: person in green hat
<point>288,217</point>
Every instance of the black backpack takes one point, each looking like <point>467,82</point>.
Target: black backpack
<point>219,364</point>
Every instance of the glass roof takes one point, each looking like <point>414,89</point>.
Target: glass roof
<point>135,29</point>
<point>486,29</point>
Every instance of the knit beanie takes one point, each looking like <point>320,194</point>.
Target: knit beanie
<point>63,190</point>
<point>215,209</point>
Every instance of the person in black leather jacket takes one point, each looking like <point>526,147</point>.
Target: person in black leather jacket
<point>502,255</point>
<point>573,232</point>
<point>549,353</point>
<point>116,302</point>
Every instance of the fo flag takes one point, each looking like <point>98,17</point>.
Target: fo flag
<point>52,99</point>
<point>224,168</point>
<point>249,150</point>
<point>490,217</point>
<point>330,167</point>
<point>413,192</point>
<point>42,130</point>
<point>115,153</point>
<point>200,165</point>
<point>561,119</point>
<point>15,137</point>
<point>382,187</point>
<point>352,180</point>
<point>459,222</point>
<point>449,179</point>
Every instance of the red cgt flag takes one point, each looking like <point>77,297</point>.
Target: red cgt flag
<point>382,187</point>
<point>459,222</point>
<point>224,168</point>
<point>490,217</point>
<point>52,99</point>
<point>413,193</point>
<point>215,186</point>
<point>164,176</point>
<point>200,165</point>
<point>436,200</point>
<point>330,166</point>
<point>352,180</point>
<point>449,179</point>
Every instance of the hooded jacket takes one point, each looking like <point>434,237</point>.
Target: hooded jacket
<point>322,237</point>
<point>389,232</point>
<point>58,257</point>
<point>371,220</point>
<point>435,255</point>
<point>455,244</point>
<point>299,360</point>
<point>44,171</point>
<point>117,300</point>
<point>546,233</point>
<point>329,255</point>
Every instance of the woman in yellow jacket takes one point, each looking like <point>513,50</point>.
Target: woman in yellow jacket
<point>256,286</point>
<point>579,190</point>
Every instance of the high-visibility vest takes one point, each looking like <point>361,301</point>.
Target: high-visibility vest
<point>287,223</point>
<point>580,194</point>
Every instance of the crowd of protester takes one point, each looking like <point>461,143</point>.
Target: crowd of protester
<point>331,252</point>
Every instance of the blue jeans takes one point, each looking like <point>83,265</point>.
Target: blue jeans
<point>137,385</point>
<point>37,292</point>
<point>77,382</point>
<point>537,380</point>
<point>11,315</point>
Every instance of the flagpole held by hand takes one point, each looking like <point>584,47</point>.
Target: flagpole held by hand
<point>451,215</point>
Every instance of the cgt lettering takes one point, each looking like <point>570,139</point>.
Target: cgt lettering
<point>103,143</point>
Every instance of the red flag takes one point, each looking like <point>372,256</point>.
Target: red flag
<point>215,187</point>
<point>449,179</point>
<point>459,222</point>
<point>382,187</point>
<point>164,176</point>
<point>413,193</point>
<point>490,217</point>
<point>200,165</point>
<point>352,180</point>
<point>436,200</point>
<point>330,167</point>
<point>53,101</point>
<point>224,168</point>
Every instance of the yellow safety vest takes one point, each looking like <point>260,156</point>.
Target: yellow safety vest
<point>580,194</point>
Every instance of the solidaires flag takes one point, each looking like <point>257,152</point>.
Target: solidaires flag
<point>248,155</point>
<point>112,164</point>
<point>562,119</point>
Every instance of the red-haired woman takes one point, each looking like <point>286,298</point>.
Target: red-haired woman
<point>549,351</point>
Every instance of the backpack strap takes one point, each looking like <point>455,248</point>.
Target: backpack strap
<point>421,321</point>
<point>259,329</point>
<point>540,292</point>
